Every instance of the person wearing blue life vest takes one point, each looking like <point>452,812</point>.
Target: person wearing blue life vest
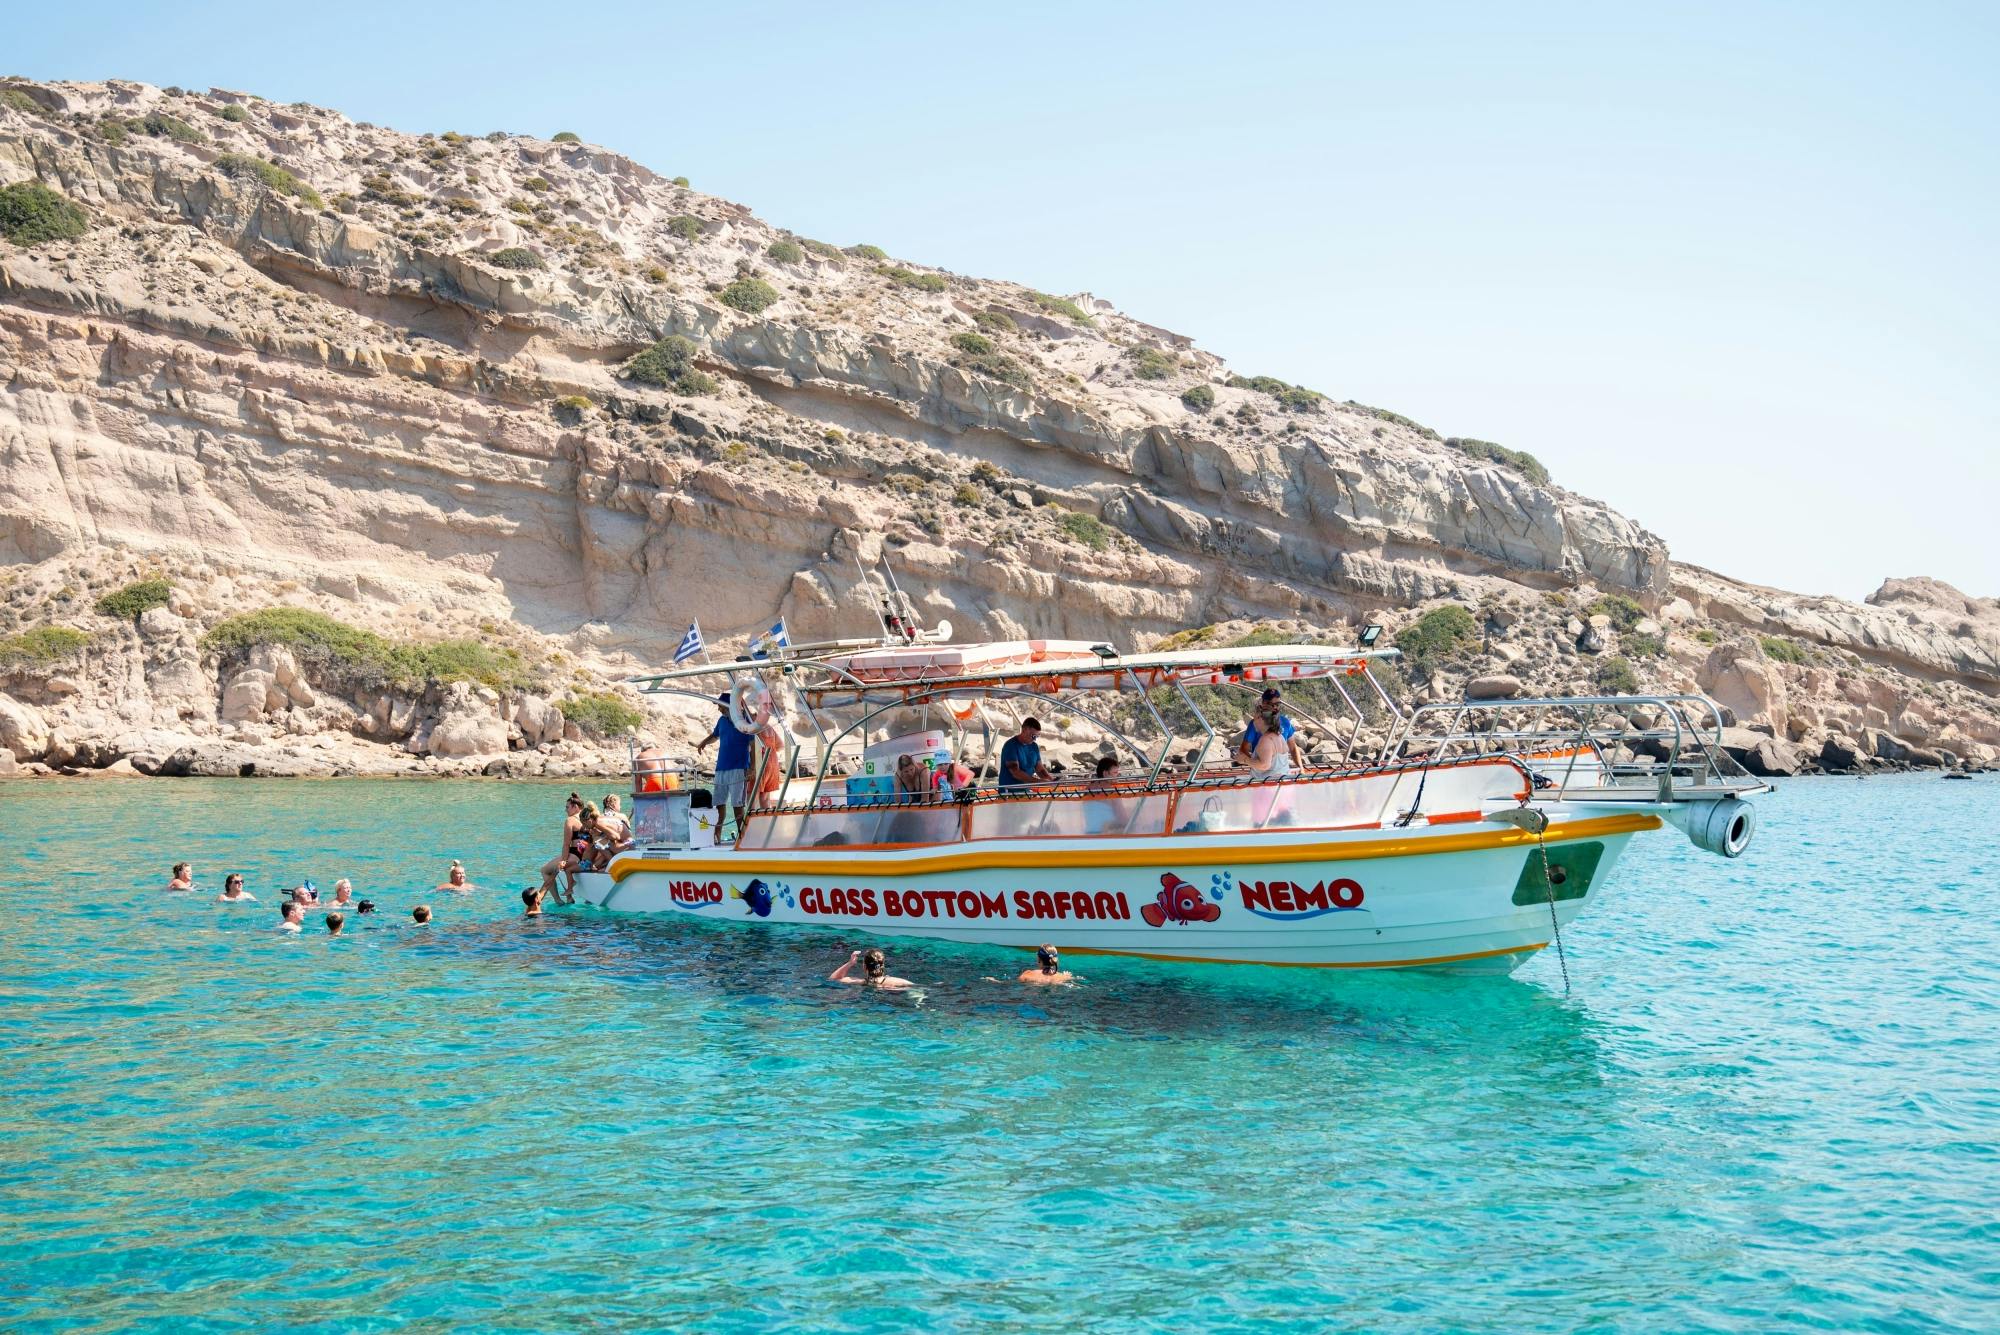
<point>1269,717</point>
<point>732,761</point>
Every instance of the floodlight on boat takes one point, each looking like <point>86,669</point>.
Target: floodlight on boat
<point>1369,635</point>
<point>1103,651</point>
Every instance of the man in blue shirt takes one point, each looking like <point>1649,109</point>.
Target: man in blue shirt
<point>1021,759</point>
<point>1269,717</point>
<point>732,761</point>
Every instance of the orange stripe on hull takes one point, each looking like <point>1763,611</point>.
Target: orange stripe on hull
<point>1190,854</point>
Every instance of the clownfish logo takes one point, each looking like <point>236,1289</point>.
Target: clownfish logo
<point>1178,902</point>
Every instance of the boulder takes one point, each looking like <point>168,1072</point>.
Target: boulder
<point>467,733</point>
<point>159,623</point>
<point>540,721</point>
<point>1739,677</point>
<point>1902,752</point>
<point>180,681</point>
<point>1839,754</point>
<point>22,729</point>
<point>1592,640</point>
<point>1498,686</point>
<point>246,697</point>
<point>1761,754</point>
<point>8,766</point>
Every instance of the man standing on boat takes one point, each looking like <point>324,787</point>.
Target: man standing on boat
<point>1269,717</point>
<point>1021,758</point>
<point>732,761</point>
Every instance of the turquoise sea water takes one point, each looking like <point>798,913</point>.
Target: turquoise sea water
<point>1769,1101</point>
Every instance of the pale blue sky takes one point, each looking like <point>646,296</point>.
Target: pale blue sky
<point>1731,268</point>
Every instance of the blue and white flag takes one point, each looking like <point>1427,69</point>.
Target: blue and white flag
<point>690,643</point>
<point>778,637</point>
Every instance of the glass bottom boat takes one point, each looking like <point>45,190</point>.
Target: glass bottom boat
<point>1460,837</point>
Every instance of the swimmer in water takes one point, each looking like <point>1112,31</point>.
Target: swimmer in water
<point>1048,970</point>
<point>421,915</point>
<point>343,894</point>
<point>334,922</point>
<point>532,897</point>
<point>183,878</point>
<point>454,881</point>
<point>875,969</point>
<point>233,891</point>
<point>294,915</point>
<point>306,893</point>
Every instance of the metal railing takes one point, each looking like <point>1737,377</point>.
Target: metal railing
<point>1666,748</point>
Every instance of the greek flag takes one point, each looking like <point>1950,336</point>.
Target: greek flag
<point>690,643</point>
<point>774,638</point>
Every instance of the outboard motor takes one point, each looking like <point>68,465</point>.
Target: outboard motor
<point>1723,826</point>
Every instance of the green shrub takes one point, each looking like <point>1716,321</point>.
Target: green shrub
<point>42,647</point>
<point>280,181</point>
<point>162,126</point>
<point>112,130</point>
<point>127,603</point>
<point>1152,364</point>
<point>735,452</point>
<point>749,295</point>
<point>1436,636</point>
<point>1624,613</point>
<point>516,257</point>
<point>966,494</point>
<point>670,365</point>
<point>987,474</point>
<point>1520,461</point>
<point>1089,530</point>
<point>909,484</point>
<point>1615,676</point>
<point>999,366</point>
<point>995,322</point>
<point>785,252</point>
<point>826,250</point>
<point>868,252</point>
<point>1643,646</point>
<point>681,181</point>
<point>460,204</point>
<point>1782,650</point>
<point>977,344</point>
<point>1384,415</point>
<point>685,226</point>
<point>1200,398</point>
<point>1062,306</point>
<point>234,114</point>
<point>537,184</point>
<point>576,403</point>
<point>31,213</point>
<point>1705,635</point>
<point>601,713</point>
<point>1298,399</point>
<point>16,100</point>
<point>923,282</point>
<point>564,137</point>
<point>368,658</point>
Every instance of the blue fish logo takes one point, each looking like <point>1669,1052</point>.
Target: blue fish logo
<point>756,897</point>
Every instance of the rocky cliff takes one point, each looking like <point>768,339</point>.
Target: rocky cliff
<point>501,390</point>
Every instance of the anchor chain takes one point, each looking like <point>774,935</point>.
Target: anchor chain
<point>1549,886</point>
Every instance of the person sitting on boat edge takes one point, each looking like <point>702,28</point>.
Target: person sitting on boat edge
<point>183,878</point>
<point>1048,970</point>
<point>732,761</point>
<point>1104,815</point>
<point>233,891</point>
<point>572,816</point>
<point>1021,758</point>
<point>1269,717</point>
<point>582,855</point>
<point>875,968</point>
<point>615,822</point>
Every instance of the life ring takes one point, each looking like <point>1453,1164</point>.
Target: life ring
<point>750,704</point>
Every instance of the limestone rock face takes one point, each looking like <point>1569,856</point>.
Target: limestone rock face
<point>23,731</point>
<point>1741,679</point>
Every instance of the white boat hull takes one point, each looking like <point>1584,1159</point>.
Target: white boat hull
<point>1467,896</point>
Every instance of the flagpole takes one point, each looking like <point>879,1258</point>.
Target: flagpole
<point>705,659</point>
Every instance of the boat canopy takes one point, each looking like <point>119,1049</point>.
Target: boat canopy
<point>833,676</point>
